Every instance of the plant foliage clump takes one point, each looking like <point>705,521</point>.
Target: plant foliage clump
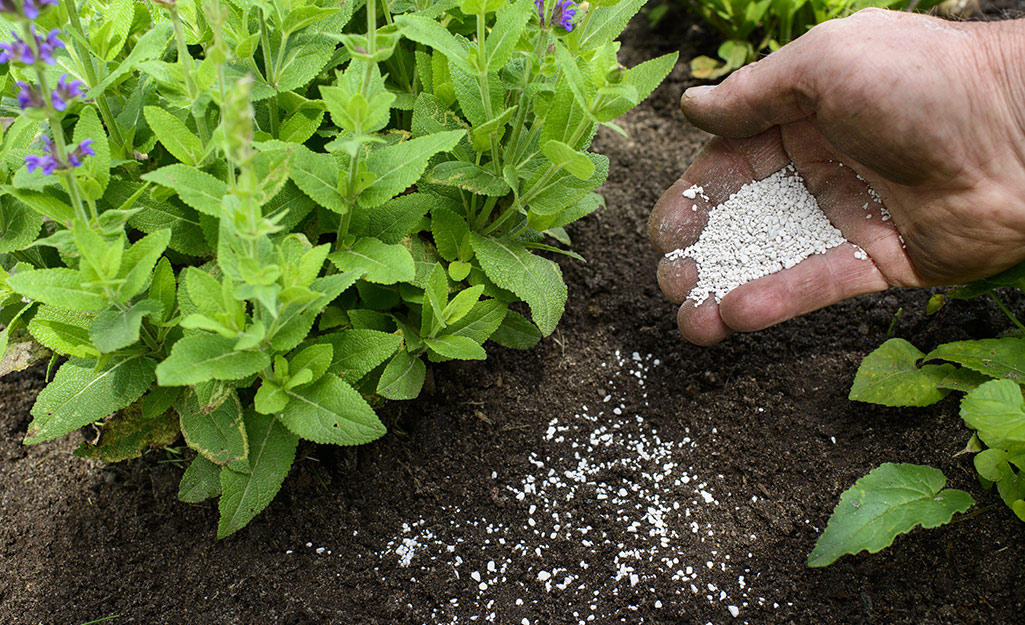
<point>251,221</point>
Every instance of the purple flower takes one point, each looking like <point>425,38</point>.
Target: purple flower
<point>562,13</point>
<point>49,163</point>
<point>65,91</point>
<point>20,52</point>
<point>32,7</point>
<point>29,97</point>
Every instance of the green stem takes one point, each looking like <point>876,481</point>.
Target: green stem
<point>269,73</point>
<point>86,63</point>
<point>187,70</point>
<point>1007,312</point>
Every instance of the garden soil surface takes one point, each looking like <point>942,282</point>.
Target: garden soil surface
<point>612,474</point>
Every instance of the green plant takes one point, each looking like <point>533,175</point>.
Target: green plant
<point>750,27</point>
<point>893,499</point>
<point>272,214</point>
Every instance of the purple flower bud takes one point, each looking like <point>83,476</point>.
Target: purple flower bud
<point>33,7</point>
<point>29,97</point>
<point>65,91</point>
<point>51,43</point>
<point>48,163</point>
<point>18,51</point>
<point>563,14</point>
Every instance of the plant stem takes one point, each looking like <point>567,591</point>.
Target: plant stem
<point>269,73</point>
<point>187,69</point>
<point>1007,312</point>
<point>86,63</point>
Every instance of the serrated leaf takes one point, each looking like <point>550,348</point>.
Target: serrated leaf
<point>195,187</point>
<point>301,125</point>
<point>46,204</point>
<point>306,55</point>
<point>381,262</point>
<point>403,377</point>
<point>163,287</point>
<point>174,135</point>
<point>462,303</point>
<point>64,331</point>
<point>394,220</point>
<point>431,33</point>
<point>96,167</point>
<point>203,357</point>
<point>650,74</point>
<point>331,411</point>
<point>516,332</point>
<point>181,220</point>
<point>398,166</point>
<point>565,157</point>
<point>116,329</point>
<point>317,176</point>
<point>219,434</point>
<point>893,499</point>
<point>449,230</point>
<point>607,23</point>
<point>535,280</point>
<point>138,263</point>
<point>244,495</point>
<point>59,287</point>
<point>469,177</point>
<point>201,481</point>
<point>481,322</point>
<point>890,376</point>
<point>997,358</point>
<point>19,225</point>
<point>996,411</point>
<point>80,395</point>
<point>356,352</point>
<point>150,46</point>
<point>509,26</point>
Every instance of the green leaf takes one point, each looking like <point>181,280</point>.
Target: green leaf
<point>218,434</point>
<point>246,494</point>
<point>398,166</point>
<point>468,177</point>
<point>303,16</point>
<point>306,56</point>
<point>150,46</point>
<point>493,128</point>
<point>64,331</point>
<point>449,230</point>
<point>403,377</point>
<point>19,225</point>
<point>394,220</point>
<point>46,204</point>
<point>181,220</point>
<point>80,394</point>
<point>356,352</point>
<point>201,481</point>
<point>129,433</point>
<point>316,358</point>
<point>607,23</point>
<point>138,263</point>
<point>317,176</point>
<point>202,357</point>
<point>516,332</point>
<point>565,157</point>
<point>195,187</point>
<point>462,303</point>
<point>382,263</point>
<point>116,329</point>
<point>301,125</point>
<point>96,168</point>
<point>174,135</point>
<point>535,280</point>
<point>890,500</point>
<point>331,411</point>
<point>481,322</point>
<point>996,411</point>
<point>59,287</point>
<point>163,288</point>
<point>460,347</point>
<point>574,78</point>
<point>431,33</point>
<point>649,74</point>
<point>509,27</point>
<point>992,464</point>
<point>563,189</point>
<point>890,376</point>
<point>997,358</point>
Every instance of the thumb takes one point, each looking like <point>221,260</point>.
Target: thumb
<point>772,91</point>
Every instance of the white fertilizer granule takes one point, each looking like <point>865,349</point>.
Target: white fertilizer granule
<point>766,226</point>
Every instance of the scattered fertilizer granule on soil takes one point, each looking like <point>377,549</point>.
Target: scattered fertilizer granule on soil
<point>766,226</point>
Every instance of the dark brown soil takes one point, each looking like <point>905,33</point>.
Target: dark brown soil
<point>770,435</point>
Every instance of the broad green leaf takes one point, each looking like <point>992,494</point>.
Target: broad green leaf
<point>96,167</point>
<point>483,320</point>
<point>964,380</point>
<point>890,500</point>
<point>139,261</point>
<point>306,56</point>
<point>574,78</point>
<point>650,74</point>
<point>59,287</point>
<point>516,332</point>
<point>403,377</point>
<point>449,230</point>
<point>331,411</point>
<point>174,135</point>
<point>460,347</point>
<point>316,358</point>
<point>394,220</point>
<point>468,177</point>
<point>535,280</point>
<point>46,204</point>
<point>356,352</point>
<point>203,291</point>
<point>563,189</point>
<point>398,166</point>
<point>996,411</point>
<point>992,464</point>
<point>509,26</point>
<point>80,395</point>
<point>217,434</point>
<point>317,175</point>
<point>181,220</point>
<point>163,288</point>
<point>475,7</point>
<point>301,125</point>
<point>565,157</point>
<point>303,16</point>
<point>890,376</point>
<point>997,358</point>
<point>64,331</point>
<point>381,262</point>
<point>471,100</point>
<point>203,357</point>
<point>195,187</point>
<point>116,329</point>
<point>271,453</point>
<point>19,224</point>
<point>201,481</point>
<point>150,46</point>
<point>462,303</point>
<point>493,128</point>
<point>606,24</point>
<point>431,33</point>
<point>129,433</point>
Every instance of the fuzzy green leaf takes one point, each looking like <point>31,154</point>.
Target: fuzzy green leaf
<point>96,167</point>
<point>997,358</point>
<point>449,230</point>
<point>163,288</point>
<point>398,166</point>
<point>317,175</point>
<point>890,376</point>
<point>565,157</point>
<point>129,433</point>
<point>563,189</point>
<point>508,29</point>
<point>431,33</point>
<point>174,135</point>
<point>516,332</point>
<point>331,411</point>
<point>607,23</point>
<point>403,377</point>
<point>394,220</point>
<point>116,329</point>
<point>218,434</point>
<point>201,481</point>
<point>996,411</point>
<point>382,263</point>
<point>138,263</point>
<point>150,46</point>
<point>481,322</point>
<point>356,352</point>
<point>459,347</point>
<point>64,331</point>
<point>195,187</point>
<point>59,287</point>
<point>80,395</point>
<point>19,224</point>
<point>890,500</point>
<point>468,177</point>
<point>535,280</point>
<point>246,494</point>
<point>203,357</point>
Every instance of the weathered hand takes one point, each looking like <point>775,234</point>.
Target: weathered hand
<point>930,113</point>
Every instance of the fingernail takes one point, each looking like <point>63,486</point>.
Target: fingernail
<point>697,92</point>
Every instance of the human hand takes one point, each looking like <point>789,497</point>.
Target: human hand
<point>930,113</point>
